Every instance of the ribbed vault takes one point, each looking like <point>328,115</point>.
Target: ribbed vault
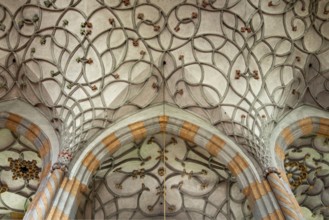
<point>240,66</point>
<point>237,64</point>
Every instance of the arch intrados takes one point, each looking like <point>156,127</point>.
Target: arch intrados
<point>302,121</point>
<point>175,123</point>
<point>38,138</point>
<point>190,128</point>
<point>31,132</point>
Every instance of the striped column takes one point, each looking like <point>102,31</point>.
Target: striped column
<point>43,201</point>
<point>67,200</point>
<point>285,198</point>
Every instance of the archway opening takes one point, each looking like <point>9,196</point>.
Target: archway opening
<point>20,169</point>
<point>161,176</point>
<point>307,170</point>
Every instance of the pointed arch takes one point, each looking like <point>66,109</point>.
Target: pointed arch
<point>302,121</point>
<point>14,116</point>
<point>175,122</point>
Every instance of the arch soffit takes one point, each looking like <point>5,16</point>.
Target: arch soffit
<point>301,121</point>
<point>26,111</point>
<point>176,122</point>
<point>184,125</point>
<point>14,116</point>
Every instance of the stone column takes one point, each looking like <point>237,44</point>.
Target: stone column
<point>41,204</point>
<point>66,201</point>
<point>44,200</point>
<point>282,192</point>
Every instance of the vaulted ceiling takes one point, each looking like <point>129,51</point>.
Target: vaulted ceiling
<point>240,65</point>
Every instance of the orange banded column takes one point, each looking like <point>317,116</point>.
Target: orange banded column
<point>282,192</point>
<point>41,205</point>
<point>65,202</point>
<point>44,201</point>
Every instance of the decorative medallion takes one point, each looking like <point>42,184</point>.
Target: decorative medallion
<point>24,169</point>
<point>296,173</point>
<point>161,171</point>
<point>19,160</point>
<point>307,169</point>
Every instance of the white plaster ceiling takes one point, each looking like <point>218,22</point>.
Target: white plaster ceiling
<point>238,64</point>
